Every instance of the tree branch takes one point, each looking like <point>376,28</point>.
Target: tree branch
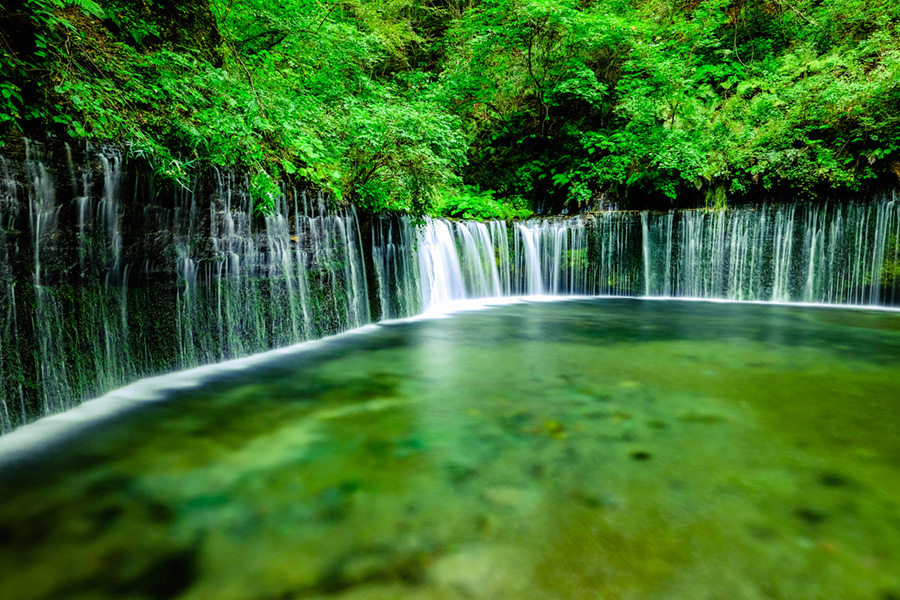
<point>267,32</point>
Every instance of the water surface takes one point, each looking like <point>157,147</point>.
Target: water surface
<point>584,449</point>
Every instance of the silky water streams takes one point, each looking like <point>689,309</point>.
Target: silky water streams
<point>586,448</point>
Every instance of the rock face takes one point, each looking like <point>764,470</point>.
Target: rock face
<point>105,277</point>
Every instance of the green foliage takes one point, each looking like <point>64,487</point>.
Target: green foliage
<point>397,150</point>
<point>469,202</point>
<point>10,101</point>
<point>673,100</point>
<point>415,106</point>
<point>89,7</point>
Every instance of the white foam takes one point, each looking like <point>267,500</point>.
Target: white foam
<point>867,307</point>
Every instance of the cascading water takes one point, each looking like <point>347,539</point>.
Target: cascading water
<point>439,265</point>
<point>244,289</point>
<point>49,334</point>
<point>461,260</point>
<point>396,268</point>
<point>833,253</point>
<point>97,291</point>
<point>11,402</point>
<point>529,262</point>
<point>479,263</point>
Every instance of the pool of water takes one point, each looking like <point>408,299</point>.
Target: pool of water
<point>583,449</point>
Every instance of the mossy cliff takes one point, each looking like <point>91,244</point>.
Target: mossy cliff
<point>106,277</point>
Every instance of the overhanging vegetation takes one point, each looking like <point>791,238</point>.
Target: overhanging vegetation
<point>476,109</point>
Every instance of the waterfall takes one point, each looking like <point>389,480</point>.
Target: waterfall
<point>10,402</point>
<point>105,277</point>
<point>500,241</point>
<point>826,253</point>
<point>244,288</point>
<point>530,259</point>
<point>459,260</point>
<point>439,266</point>
<point>645,250</point>
<point>396,268</point>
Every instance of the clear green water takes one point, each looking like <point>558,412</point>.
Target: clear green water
<point>596,449</point>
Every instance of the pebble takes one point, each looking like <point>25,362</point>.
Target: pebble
<point>510,497</point>
<point>481,572</point>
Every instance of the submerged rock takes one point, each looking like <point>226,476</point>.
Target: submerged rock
<point>813,516</point>
<point>481,572</point>
<point>511,497</point>
<point>833,479</point>
<point>703,418</point>
<point>378,564</point>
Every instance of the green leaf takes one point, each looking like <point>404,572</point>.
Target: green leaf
<point>289,167</point>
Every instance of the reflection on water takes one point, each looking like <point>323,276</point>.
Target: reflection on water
<point>596,449</point>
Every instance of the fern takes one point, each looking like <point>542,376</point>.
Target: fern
<point>89,7</point>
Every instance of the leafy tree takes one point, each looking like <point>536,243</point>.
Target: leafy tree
<point>472,107</point>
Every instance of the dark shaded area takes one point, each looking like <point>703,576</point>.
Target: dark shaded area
<point>835,480</point>
<point>370,565</point>
<point>166,577</point>
<point>811,516</point>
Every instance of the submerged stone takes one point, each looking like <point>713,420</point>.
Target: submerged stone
<point>511,497</point>
<point>812,516</point>
<point>834,480</point>
<point>487,571</point>
<point>167,577</point>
